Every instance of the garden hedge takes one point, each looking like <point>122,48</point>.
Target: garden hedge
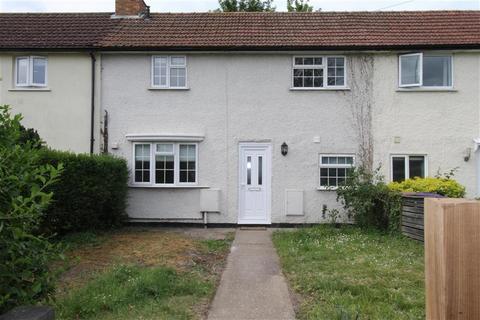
<point>90,195</point>
<point>444,186</point>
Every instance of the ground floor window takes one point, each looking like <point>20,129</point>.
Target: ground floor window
<point>165,163</point>
<point>407,166</point>
<point>334,170</point>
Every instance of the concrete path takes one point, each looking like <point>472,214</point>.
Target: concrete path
<point>252,285</point>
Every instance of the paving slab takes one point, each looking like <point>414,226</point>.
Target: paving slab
<point>252,285</point>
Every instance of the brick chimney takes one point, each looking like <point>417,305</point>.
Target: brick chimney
<point>131,8</point>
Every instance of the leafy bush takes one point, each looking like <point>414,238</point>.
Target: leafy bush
<point>369,200</point>
<point>90,195</point>
<point>444,186</point>
<point>24,255</point>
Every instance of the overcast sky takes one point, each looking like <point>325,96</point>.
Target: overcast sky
<point>205,5</point>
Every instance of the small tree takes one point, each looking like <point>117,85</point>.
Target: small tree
<point>299,6</point>
<point>246,5</point>
<point>24,255</point>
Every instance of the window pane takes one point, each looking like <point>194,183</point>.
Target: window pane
<point>177,77</point>
<point>22,71</point>
<point>416,166</point>
<point>299,61</point>
<point>324,182</point>
<point>308,61</point>
<point>298,82</point>
<point>398,168</point>
<point>410,70</point>
<point>187,163</point>
<point>142,163</point>
<point>437,71</point>
<point>39,70</point>
<point>164,169</point>
<point>165,148</point>
<point>318,61</point>
<point>160,71</point>
<point>177,61</point>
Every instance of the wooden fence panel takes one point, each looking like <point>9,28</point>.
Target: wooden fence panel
<point>452,259</point>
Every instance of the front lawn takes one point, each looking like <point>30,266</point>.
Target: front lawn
<point>348,273</point>
<point>140,274</point>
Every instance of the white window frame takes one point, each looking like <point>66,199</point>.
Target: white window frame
<point>420,84</point>
<point>407,163</point>
<point>176,159</point>
<point>337,166</point>
<point>30,82</point>
<point>169,66</point>
<point>324,67</point>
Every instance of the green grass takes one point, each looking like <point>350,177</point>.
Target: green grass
<point>126,291</point>
<point>349,273</point>
<point>132,292</point>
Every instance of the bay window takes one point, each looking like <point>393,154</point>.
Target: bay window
<point>165,163</point>
<point>425,70</point>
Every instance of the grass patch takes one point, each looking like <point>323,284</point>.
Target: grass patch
<point>349,273</point>
<point>136,273</point>
<point>132,292</point>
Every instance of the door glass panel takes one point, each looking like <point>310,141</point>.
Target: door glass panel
<point>417,166</point>
<point>260,169</point>
<point>249,170</point>
<point>398,169</point>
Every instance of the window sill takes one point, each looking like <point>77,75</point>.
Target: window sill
<point>30,89</point>
<point>426,90</point>
<point>321,89</point>
<point>147,186</point>
<point>168,89</point>
<point>327,188</point>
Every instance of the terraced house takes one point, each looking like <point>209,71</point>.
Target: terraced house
<point>250,118</point>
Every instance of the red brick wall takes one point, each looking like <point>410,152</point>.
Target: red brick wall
<point>129,7</point>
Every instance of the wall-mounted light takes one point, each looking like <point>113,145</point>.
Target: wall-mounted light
<point>284,149</point>
<point>467,154</point>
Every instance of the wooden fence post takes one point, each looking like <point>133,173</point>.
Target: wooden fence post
<point>452,259</point>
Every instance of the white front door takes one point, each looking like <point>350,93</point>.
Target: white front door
<point>255,183</point>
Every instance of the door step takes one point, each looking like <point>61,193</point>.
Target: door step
<point>253,228</point>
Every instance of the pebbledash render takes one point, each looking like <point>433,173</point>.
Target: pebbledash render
<point>252,118</point>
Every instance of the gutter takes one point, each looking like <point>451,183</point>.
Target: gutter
<point>92,115</point>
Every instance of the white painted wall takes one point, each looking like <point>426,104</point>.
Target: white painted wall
<point>441,125</point>
<point>61,115</point>
<point>246,97</point>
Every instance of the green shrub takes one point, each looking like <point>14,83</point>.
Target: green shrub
<point>443,186</point>
<point>24,254</point>
<point>367,199</point>
<point>91,193</point>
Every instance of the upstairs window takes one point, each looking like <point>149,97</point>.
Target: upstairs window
<point>165,163</point>
<point>314,72</point>
<point>425,70</point>
<point>169,72</point>
<point>31,71</point>
<point>408,166</point>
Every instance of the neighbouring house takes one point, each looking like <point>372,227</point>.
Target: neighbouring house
<point>254,118</point>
